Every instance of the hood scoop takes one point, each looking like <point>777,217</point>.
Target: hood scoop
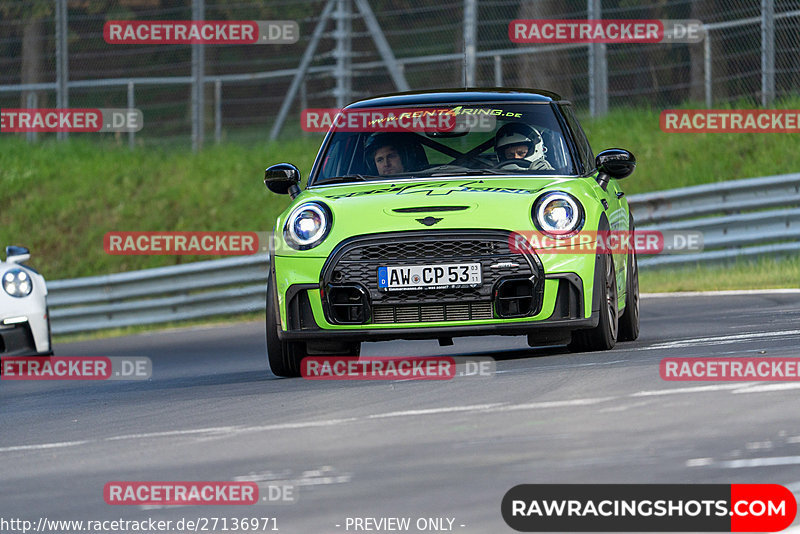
<point>430,209</point>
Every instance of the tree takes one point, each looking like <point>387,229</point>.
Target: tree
<point>33,16</point>
<point>545,70</point>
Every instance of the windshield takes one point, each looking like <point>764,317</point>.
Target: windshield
<point>444,140</point>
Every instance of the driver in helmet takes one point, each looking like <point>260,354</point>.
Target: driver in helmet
<point>518,141</point>
<point>391,153</point>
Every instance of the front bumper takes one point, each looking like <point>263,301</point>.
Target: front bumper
<point>567,315</point>
<point>560,285</point>
<point>18,340</point>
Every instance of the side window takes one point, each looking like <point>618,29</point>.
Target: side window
<point>341,157</point>
<point>584,149</point>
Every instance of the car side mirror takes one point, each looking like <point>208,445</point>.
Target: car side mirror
<point>283,178</point>
<point>614,163</point>
<point>17,254</point>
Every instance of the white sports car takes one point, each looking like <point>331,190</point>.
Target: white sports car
<point>24,318</point>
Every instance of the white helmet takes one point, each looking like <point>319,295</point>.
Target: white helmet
<point>518,133</point>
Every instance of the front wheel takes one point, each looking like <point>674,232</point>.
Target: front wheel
<point>604,335</point>
<point>629,322</point>
<point>284,357</point>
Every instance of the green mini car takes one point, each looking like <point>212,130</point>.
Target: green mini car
<point>409,228</point>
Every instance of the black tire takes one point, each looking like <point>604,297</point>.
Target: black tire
<point>629,322</point>
<point>49,332</point>
<point>284,357</point>
<point>604,335</point>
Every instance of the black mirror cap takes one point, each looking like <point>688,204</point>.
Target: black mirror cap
<point>281,178</point>
<point>616,162</point>
<point>15,252</point>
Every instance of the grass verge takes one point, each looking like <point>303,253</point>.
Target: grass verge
<point>765,273</point>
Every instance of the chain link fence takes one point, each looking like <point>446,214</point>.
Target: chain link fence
<point>53,54</point>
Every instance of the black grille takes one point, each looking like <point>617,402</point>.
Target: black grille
<point>427,250</point>
<point>357,262</point>
<point>432,313</point>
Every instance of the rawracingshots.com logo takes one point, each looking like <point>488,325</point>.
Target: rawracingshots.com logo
<point>649,508</point>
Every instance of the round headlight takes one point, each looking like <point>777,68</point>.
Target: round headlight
<point>17,283</point>
<point>307,225</point>
<point>558,214</point>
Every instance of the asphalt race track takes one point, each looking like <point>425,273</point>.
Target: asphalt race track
<point>444,449</point>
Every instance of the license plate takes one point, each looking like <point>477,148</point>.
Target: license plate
<point>447,276</point>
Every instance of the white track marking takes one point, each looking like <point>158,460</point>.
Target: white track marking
<point>564,366</point>
<point>719,340</point>
<point>171,433</point>
<point>228,431</point>
<point>765,388</point>
<point>624,407</point>
<point>692,389</point>
<point>758,445</point>
<point>553,404</point>
<point>434,411</point>
<point>42,446</point>
<point>699,462</point>
<point>722,293</point>
<point>760,462</point>
<point>294,426</point>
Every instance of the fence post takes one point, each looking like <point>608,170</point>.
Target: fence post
<point>343,53</point>
<point>470,41</point>
<point>131,105</point>
<point>498,71</point>
<point>304,101</point>
<point>767,52</point>
<point>198,83</point>
<point>32,101</point>
<point>598,67</point>
<point>217,111</point>
<point>707,69</point>
<point>62,60</point>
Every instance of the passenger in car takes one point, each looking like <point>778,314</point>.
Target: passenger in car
<point>518,141</point>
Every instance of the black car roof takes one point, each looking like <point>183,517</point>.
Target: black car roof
<point>449,96</point>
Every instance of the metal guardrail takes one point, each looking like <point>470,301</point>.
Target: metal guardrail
<point>165,294</point>
<point>719,197</point>
<point>738,219</point>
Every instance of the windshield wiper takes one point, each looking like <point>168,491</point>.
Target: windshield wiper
<point>471,172</point>
<point>348,178</point>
